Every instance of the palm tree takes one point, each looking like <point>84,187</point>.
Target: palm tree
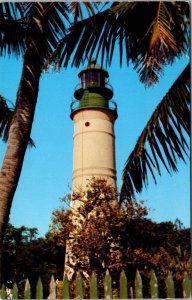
<point>150,35</point>
<point>32,30</point>
<point>160,36</point>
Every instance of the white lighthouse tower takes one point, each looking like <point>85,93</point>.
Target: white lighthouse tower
<point>94,114</point>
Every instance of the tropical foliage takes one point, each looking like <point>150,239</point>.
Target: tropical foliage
<point>139,244</point>
<point>160,36</point>
<point>6,115</point>
<point>42,36</point>
<point>25,255</point>
<point>100,235</point>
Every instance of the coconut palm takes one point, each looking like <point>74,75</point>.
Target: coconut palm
<point>150,35</point>
<point>33,31</point>
<point>160,36</point>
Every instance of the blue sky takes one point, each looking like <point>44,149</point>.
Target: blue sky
<point>47,170</point>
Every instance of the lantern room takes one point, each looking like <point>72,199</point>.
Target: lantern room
<point>95,80</point>
<point>93,75</point>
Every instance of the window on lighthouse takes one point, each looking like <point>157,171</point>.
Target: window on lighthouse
<point>92,78</point>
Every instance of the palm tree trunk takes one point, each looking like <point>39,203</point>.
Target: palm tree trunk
<point>21,125</point>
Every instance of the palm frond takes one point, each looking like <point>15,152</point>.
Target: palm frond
<point>161,32</point>
<point>55,19</point>
<point>31,143</point>
<point>78,9</point>
<point>10,43</point>
<point>167,38</point>
<point>6,115</point>
<point>163,140</point>
<point>157,39</point>
<point>12,20</point>
<point>56,26</point>
<point>11,10</point>
<point>81,41</point>
<point>56,16</point>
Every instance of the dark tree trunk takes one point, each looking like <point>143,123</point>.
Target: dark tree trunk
<point>21,125</point>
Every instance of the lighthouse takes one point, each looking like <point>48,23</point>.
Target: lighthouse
<point>93,113</point>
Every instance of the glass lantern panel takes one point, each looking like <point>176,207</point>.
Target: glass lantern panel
<point>83,81</point>
<point>92,78</point>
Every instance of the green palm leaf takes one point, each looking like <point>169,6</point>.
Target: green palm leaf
<point>162,140</point>
<point>161,35</point>
<point>11,10</point>
<point>11,20</point>
<point>17,17</point>
<point>6,115</point>
<point>78,9</point>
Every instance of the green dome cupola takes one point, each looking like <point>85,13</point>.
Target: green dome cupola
<point>93,89</point>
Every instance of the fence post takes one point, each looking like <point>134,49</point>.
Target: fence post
<point>52,288</point>
<point>15,291</point>
<point>39,289</point>
<point>93,287</point>
<point>138,286</point>
<point>123,286</point>
<point>27,290</point>
<point>186,286</point>
<point>3,292</point>
<point>66,294</point>
<point>107,286</point>
<point>79,287</point>
<point>170,286</point>
<point>154,285</point>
